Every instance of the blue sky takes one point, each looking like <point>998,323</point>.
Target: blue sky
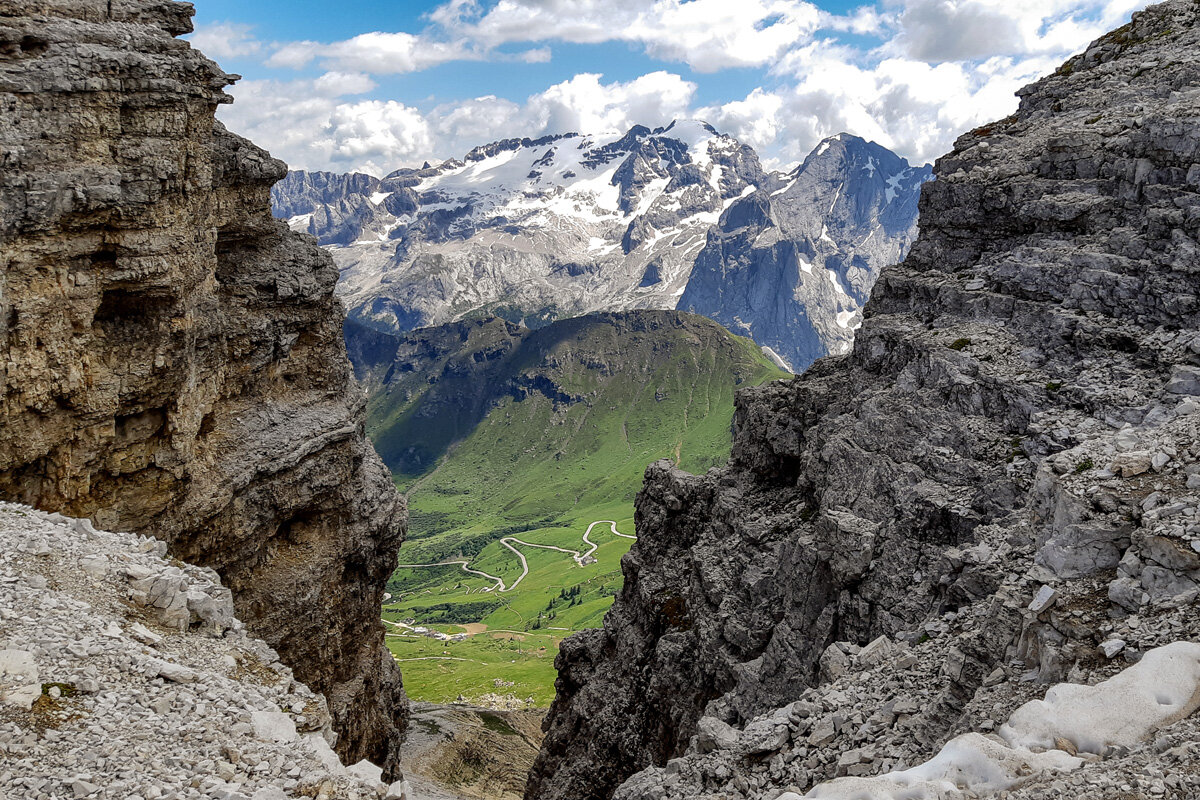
<point>360,85</point>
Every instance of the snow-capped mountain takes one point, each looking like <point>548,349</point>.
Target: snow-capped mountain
<point>791,267</point>
<point>538,229</point>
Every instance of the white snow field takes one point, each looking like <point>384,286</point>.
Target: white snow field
<point>1040,736</point>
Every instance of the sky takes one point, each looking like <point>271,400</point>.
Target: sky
<point>375,85</point>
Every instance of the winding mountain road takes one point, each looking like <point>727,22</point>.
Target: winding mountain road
<point>509,542</point>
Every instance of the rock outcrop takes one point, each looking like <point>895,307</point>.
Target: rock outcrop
<point>172,359</point>
<point>996,488</point>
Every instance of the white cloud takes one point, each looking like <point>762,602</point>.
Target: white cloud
<point>538,55</point>
<point>912,74</point>
<point>756,120</point>
<point>376,134</point>
<point>944,67</point>
<point>336,84</point>
<point>226,40</point>
<point>911,106</point>
<point>308,124</point>
<point>376,52</point>
<point>970,30</point>
<point>707,35</point>
<point>587,105</point>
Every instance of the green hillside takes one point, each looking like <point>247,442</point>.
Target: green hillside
<point>498,431</point>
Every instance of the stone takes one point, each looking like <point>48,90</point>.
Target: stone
<point>143,634</point>
<point>713,734</point>
<point>1044,598</point>
<point>398,791</point>
<point>19,685</point>
<point>270,793</point>
<point>875,652</point>
<point>273,726</point>
<point>823,733</point>
<point>1111,647</point>
<point>833,663</point>
<point>96,566</point>
<point>365,772</point>
<point>173,672</point>
<point>1185,380</point>
<point>81,788</point>
<point>1128,465</point>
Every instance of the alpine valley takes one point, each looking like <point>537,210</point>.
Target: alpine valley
<point>530,324</point>
<point>957,558</point>
<point>521,452</point>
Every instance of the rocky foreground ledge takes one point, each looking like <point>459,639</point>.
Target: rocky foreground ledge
<point>124,674</point>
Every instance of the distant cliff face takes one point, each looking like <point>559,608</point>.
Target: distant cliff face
<point>1017,418</point>
<point>172,359</point>
<point>534,230</point>
<point>792,267</point>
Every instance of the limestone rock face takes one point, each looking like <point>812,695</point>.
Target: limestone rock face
<point>171,358</point>
<point>1016,412</point>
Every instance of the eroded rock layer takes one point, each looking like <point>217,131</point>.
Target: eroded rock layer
<point>999,479</point>
<point>172,360</point>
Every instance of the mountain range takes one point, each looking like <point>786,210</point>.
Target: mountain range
<point>534,230</point>
<point>511,444</point>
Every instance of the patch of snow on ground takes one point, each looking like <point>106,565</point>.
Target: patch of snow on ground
<point>300,222</point>
<point>777,359</point>
<point>1122,711</point>
<point>805,264</point>
<point>649,194</point>
<point>844,317</point>
<point>791,183</point>
<point>379,197</point>
<point>837,196</point>
<point>825,235</point>
<point>727,202</point>
<point>837,285</point>
<point>714,177</point>
<point>893,184</point>
<point>870,167</point>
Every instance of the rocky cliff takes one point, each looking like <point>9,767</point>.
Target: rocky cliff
<point>996,488</point>
<point>791,267</point>
<point>172,358</point>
